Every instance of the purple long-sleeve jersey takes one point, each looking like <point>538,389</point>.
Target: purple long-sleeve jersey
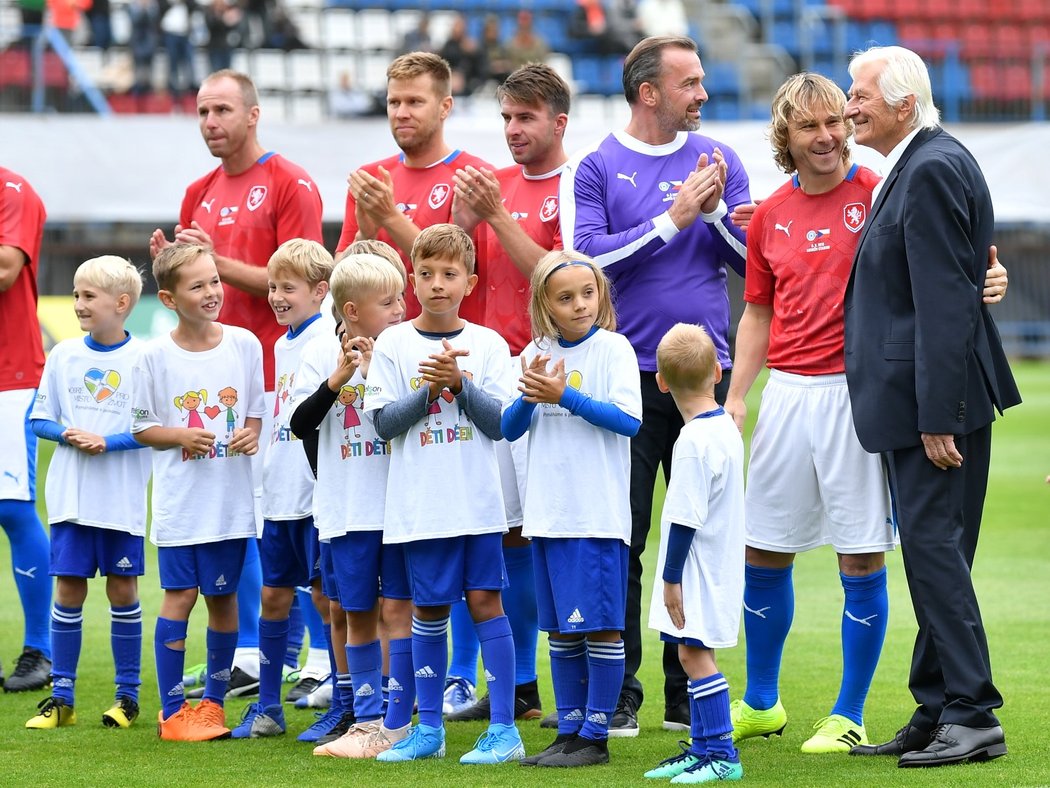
<point>614,201</point>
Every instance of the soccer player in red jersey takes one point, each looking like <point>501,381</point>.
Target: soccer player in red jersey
<point>21,365</point>
<point>245,208</point>
<point>394,198</point>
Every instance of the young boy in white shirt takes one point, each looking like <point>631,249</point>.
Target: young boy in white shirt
<point>96,486</point>
<point>365,577</point>
<point>699,587</point>
<point>435,388</point>
<point>202,504</point>
<point>298,282</point>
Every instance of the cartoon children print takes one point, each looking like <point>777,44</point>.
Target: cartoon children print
<point>228,397</point>
<point>434,409</point>
<point>352,398</point>
<point>188,404</point>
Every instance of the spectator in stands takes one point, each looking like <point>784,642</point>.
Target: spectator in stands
<point>348,101</point>
<point>145,19</point>
<point>607,28</point>
<point>101,24</point>
<point>176,24</point>
<point>465,58</point>
<point>526,45</point>
<point>32,18</point>
<point>65,15</point>
<point>662,18</point>
<point>498,65</point>
<point>224,20</point>
<point>284,32</point>
<point>418,39</point>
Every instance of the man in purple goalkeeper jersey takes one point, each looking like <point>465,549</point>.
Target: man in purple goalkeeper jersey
<point>651,204</point>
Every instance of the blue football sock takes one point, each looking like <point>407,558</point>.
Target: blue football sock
<point>697,736</point>
<point>312,619</point>
<point>497,656</point>
<point>401,685</point>
<point>328,645</point>
<point>67,633</point>
<point>710,697</point>
<point>296,632</point>
<point>605,665</point>
<point>465,645</point>
<point>170,663</point>
<point>221,646</point>
<point>864,620</point>
<point>30,561</point>
<point>569,676</point>
<point>344,688</point>
<point>273,643</point>
<point>125,638</point>
<point>249,597</point>
<point>769,607</point>
<point>519,601</point>
<point>366,674</point>
<point>430,657</point>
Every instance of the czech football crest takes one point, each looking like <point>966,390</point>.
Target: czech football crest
<point>853,216</point>
<point>256,197</point>
<point>549,209</point>
<point>438,195</point>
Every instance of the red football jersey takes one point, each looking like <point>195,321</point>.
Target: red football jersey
<point>533,203</point>
<point>424,195</point>
<point>22,218</point>
<point>799,257</point>
<point>248,216</point>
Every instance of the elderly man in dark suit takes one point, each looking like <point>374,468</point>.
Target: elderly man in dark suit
<point>926,373</point>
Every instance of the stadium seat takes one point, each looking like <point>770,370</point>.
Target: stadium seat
<point>722,79</point>
<point>785,34</point>
<point>268,70</point>
<point>339,28</point>
<point>375,31</point>
<point>305,70</point>
<point>307,108</point>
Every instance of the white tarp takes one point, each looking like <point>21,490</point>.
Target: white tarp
<point>135,169</point>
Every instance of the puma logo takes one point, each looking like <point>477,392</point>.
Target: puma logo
<point>207,204</point>
<point>761,612</point>
<point>786,228</point>
<point>629,178</point>
<point>16,186</point>
<point>307,184</point>
<point>865,621</point>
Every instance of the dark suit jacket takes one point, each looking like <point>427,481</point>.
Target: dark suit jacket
<point>922,351</point>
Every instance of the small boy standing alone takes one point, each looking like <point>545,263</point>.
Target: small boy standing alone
<point>96,486</point>
<point>203,506</point>
<point>700,570</point>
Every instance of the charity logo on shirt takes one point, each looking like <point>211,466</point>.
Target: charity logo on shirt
<point>100,392</point>
<point>348,408</point>
<point>574,380</point>
<point>193,407</point>
<point>451,429</point>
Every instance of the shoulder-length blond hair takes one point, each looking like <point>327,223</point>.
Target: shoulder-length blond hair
<point>543,325</point>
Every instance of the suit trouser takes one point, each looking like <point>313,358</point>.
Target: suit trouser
<point>651,447</point>
<point>939,518</point>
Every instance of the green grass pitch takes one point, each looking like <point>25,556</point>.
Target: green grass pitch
<point>1012,576</point>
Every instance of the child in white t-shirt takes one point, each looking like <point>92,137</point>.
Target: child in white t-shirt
<point>96,486</point>
<point>581,404</point>
<point>202,504</point>
<point>434,390</point>
<point>699,586</point>
<point>298,283</point>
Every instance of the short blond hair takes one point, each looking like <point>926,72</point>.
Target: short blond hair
<point>302,259</point>
<point>112,274</point>
<point>380,249</point>
<point>686,358</point>
<point>444,242</point>
<point>415,64</point>
<point>543,325</point>
<point>166,265</point>
<point>360,275</point>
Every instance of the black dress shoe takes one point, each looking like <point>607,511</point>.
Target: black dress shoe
<point>956,744</point>
<point>907,739</point>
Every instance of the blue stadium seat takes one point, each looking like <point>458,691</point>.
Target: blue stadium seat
<point>785,34</point>
<point>599,75</point>
<point>721,79</point>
